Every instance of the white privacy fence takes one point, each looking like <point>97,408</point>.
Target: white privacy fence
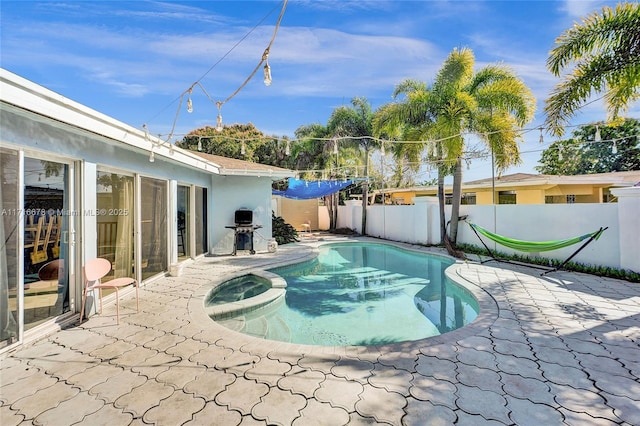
<point>618,247</point>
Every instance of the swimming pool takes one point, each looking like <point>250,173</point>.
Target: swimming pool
<point>361,294</point>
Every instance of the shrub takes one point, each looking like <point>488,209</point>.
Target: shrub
<point>282,231</point>
<point>601,271</point>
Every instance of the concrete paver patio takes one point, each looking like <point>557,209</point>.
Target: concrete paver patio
<point>561,349</point>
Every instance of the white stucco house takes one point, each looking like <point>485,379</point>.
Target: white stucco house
<point>76,184</point>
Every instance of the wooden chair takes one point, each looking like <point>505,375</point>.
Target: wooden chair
<point>55,236</point>
<point>34,240</point>
<point>94,270</point>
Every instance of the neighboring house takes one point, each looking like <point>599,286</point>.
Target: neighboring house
<point>76,184</point>
<point>523,188</point>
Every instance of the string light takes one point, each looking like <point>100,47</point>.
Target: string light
<point>219,119</point>
<point>152,156</point>
<point>266,69</point>
<point>267,73</point>
<point>382,149</point>
<point>199,144</point>
<point>614,148</point>
<point>189,102</point>
<point>541,136</point>
<point>287,148</point>
<point>243,148</point>
<point>597,137</point>
<point>335,146</point>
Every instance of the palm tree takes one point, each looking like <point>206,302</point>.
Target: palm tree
<point>411,119</point>
<point>604,52</point>
<point>356,122</point>
<point>491,103</point>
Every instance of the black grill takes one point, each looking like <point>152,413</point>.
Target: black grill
<point>243,229</point>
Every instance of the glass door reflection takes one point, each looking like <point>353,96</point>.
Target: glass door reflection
<point>47,215</point>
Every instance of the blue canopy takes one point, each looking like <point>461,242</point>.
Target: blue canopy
<point>305,190</point>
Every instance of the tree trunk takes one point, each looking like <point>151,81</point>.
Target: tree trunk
<point>334,213</point>
<point>328,201</point>
<point>455,202</point>
<point>443,219</point>
<point>365,193</point>
<point>365,197</point>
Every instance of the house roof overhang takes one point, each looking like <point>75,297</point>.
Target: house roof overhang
<point>29,96</point>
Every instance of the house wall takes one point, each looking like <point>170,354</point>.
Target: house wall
<point>484,197</point>
<point>420,224</point>
<point>529,196</point>
<point>233,193</point>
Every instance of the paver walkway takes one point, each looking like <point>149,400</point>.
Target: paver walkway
<point>563,349</point>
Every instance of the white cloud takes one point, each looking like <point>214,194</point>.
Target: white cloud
<point>579,9</point>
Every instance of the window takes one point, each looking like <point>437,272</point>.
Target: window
<point>468,198</point>
<point>571,199</point>
<point>507,197</point>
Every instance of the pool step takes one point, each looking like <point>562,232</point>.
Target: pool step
<point>257,327</point>
<point>278,330</point>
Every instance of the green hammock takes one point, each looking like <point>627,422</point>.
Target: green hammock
<point>533,246</point>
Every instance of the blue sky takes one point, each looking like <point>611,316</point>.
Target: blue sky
<point>133,60</point>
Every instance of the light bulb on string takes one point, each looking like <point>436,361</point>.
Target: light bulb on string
<point>335,147</point>
<point>152,156</point>
<point>219,119</point>
<point>560,153</point>
<point>199,144</point>
<point>267,74</point>
<point>382,150</point>
<point>597,137</point>
<point>287,148</point>
<point>243,148</point>
<point>541,136</point>
<point>189,102</point>
<point>614,148</point>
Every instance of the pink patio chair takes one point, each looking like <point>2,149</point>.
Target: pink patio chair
<point>94,270</point>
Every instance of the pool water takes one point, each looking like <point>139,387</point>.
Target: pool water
<point>240,288</point>
<point>362,294</point>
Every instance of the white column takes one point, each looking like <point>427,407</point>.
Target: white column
<point>629,225</point>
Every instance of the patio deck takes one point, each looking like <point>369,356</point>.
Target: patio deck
<point>564,348</point>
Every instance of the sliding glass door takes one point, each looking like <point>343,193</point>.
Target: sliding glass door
<point>184,222</point>
<point>154,229</point>
<point>116,223</point>
<point>48,239</point>
<point>9,249</point>
<point>201,220</point>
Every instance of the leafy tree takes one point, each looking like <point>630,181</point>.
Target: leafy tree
<point>604,52</point>
<point>236,138</point>
<point>583,155</point>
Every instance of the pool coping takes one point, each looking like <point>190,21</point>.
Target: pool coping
<point>487,315</point>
